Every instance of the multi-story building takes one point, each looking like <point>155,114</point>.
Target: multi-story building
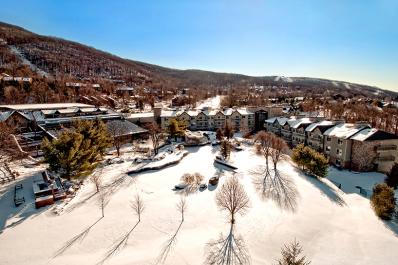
<point>338,145</point>
<point>314,134</point>
<point>207,119</point>
<point>373,149</point>
<point>347,145</point>
<point>35,121</point>
<point>275,124</point>
<point>298,131</point>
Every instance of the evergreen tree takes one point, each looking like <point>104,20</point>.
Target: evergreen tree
<point>176,128</point>
<point>219,134</point>
<point>307,158</point>
<point>77,151</point>
<point>392,176</point>
<point>383,201</point>
<point>225,149</point>
<point>291,255</point>
<point>228,130</point>
<point>318,165</point>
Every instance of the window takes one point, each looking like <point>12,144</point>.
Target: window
<point>328,148</point>
<point>328,139</point>
<point>339,151</point>
<point>339,141</point>
<point>338,162</point>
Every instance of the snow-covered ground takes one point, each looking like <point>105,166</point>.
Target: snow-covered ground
<point>213,103</point>
<point>334,227</point>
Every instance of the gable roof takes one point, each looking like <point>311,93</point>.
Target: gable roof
<point>322,126</point>
<point>344,130</point>
<point>371,134</point>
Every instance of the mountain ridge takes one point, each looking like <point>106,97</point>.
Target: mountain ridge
<point>60,57</point>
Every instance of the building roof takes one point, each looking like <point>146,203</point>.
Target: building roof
<point>371,134</point>
<point>5,115</point>
<point>344,130</point>
<point>140,115</point>
<point>322,125</point>
<point>130,127</point>
<point>301,122</point>
<point>22,107</point>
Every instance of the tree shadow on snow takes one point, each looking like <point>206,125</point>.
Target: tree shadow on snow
<point>118,245</point>
<point>109,189</point>
<point>168,246</point>
<point>392,225</point>
<point>330,192</point>
<point>227,250</point>
<point>277,187</point>
<point>78,238</point>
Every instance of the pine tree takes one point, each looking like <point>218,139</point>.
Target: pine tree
<point>291,255</point>
<point>77,151</point>
<point>225,149</point>
<point>383,201</point>
<point>176,128</point>
<point>307,158</point>
<point>228,130</point>
<point>392,176</point>
<point>219,134</point>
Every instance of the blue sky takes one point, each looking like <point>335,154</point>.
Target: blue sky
<point>350,40</point>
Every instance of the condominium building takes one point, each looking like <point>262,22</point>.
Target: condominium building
<point>208,119</point>
<point>338,145</point>
<point>347,145</point>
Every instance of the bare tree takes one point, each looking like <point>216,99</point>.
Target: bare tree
<point>182,207</point>
<point>96,179</point>
<point>138,206</point>
<point>264,141</point>
<point>232,197</point>
<point>363,155</point>
<point>102,200</point>
<point>291,255</point>
<point>278,151</point>
<point>155,133</point>
<point>117,129</point>
<point>8,149</point>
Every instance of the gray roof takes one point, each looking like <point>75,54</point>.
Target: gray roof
<point>130,128</point>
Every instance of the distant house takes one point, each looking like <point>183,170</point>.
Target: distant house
<point>125,91</point>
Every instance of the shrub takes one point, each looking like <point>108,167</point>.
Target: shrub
<point>383,201</point>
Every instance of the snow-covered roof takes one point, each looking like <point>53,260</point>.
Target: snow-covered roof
<point>270,120</point>
<point>370,134</point>
<point>364,134</point>
<point>300,122</point>
<point>45,106</point>
<point>282,120</point>
<point>244,112</point>
<point>140,115</point>
<point>344,130</point>
<point>171,113</point>
<point>313,126</point>
<point>5,115</point>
